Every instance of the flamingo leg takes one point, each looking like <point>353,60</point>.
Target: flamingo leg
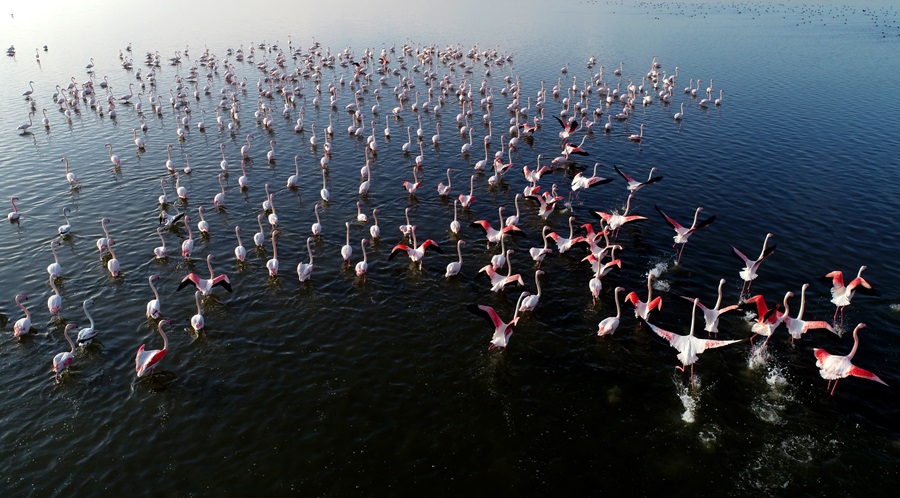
<point>834,387</point>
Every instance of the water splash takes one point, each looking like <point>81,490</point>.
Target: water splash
<point>690,398</point>
<point>759,354</point>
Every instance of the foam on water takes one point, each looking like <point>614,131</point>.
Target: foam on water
<point>690,398</point>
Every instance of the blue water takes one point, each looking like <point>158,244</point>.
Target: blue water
<point>342,386</point>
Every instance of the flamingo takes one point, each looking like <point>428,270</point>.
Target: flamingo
<point>324,192</point>
<point>224,163</point>
<point>688,346</point>
<point>164,198</point>
<point>375,230</point>
<point>70,177</point>
<point>65,229</point>
<point>86,335</point>
<point>273,217</point>
<point>634,137</point>
<point>444,190</point>
<point>415,252</point>
<point>615,221</point>
<point>243,180</point>
<point>219,199</point>
<point>187,245</point>
<point>514,219</point>
<point>259,238</point>
<point>347,249</point>
<point>797,326</point>
<point>538,253</point>
<point>411,187</point>
<point>569,148</point>
<point>160,251</point>
<point>304,270</point>
<point>154,305</point>
<point>502,330</point>
<point>563,244</point>
<point>146,361</point>
<point>530,302</point>
<point>834,367</point>
<point>498,281</point>
<point>584,182</point>
<point>681,233</point>
<point>454,266</point>
<point>608,325</point>
<point>270,156</point>
<point>405,146</point>
<point>206,286</point>
<point>317,226</point>
<point>634,185</point>
<point>245,149</point>
<point>567,128</point>
<point>54,268</point>
<point>103,242</point>
<point>360,216</point>
<point>54,302</point>
<point>455,226</point>
<point>748,273</point>
<point>267,203</point>
<point>494,236</point>
<point>202,225</point>
<point>62,361</point>
<point>840,294</point>
<point>180,190</point>
<point>114,159</point>
<point>363,266</point>
<point>294,179</point>
<point>642,309</point>
<point>13,216</point>
<point>24,126</point>
<point>467,200</point>
<point>240,252</point>
<point>22,325</point>
<point>711,316</point>
<point>680,115</point>
<point>767,320</point>
<point>197,321</point>
<point>113,264</point>
<point>272,264</point>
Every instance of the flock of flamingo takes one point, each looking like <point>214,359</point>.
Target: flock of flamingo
<point>419,80</point>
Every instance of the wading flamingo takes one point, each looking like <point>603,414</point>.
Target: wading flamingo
<point>502,330</point>
<point>206,285</point>
<point>63,361</point>
<point>146,360</point>
<point>608,325</point>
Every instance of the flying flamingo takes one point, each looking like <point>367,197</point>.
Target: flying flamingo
<point>841,295</point>
<point>272,264</point>
<point>688,346</point>
<point>153,306</point>
<point>87,334</point>
<point>584,182</point>
<point>54,268</point>
<point>608,325</point>
<point>467,200</point>
<point>454,266</point>
<point>712,315</point>
<point>616,220</point>
<point>567,128</point>
<point>530,302</point>
<point>502,330</point>
<point>197,321</point>
<point>748,273</point>
<point>834,367</point>
<point>304,270</point>
<point>547,202</point>
<point>416,252</point>
<point>206,286</point>
<point>240,252</point>
<point>70,177</point>
<point>797,326</point>
<point>767,320</point>
<point>634,185</point>
<point>642,309</point>
<point>681,233</point>
<point>363,266</point>
<point>146,361</point>
<point>563,244</point>
<point>22,325</point>
<point>14,215</point>
<point>63,361</point>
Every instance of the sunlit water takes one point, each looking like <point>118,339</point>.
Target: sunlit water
<point>343,386</point>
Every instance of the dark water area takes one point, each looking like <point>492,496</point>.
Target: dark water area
<point>343,385</point>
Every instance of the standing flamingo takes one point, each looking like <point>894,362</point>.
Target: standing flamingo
<point>63,361</point>
<point>294,179</point>
<point>113,264</point>
<point>347,249</point>
<point>219,199</point>
<point>206,285</point>
<point>54,302</point>
<point>103,242</point>
<point>243,180</point>
<point>245,149</point>
<point>688,346</point>
<point>634,137</point>
<point>834,367</point>
<point>87,334</point>
<point>375,230</point>
<point>146,361</point>
<point>240,252</point>
<point>324,192</point>
<point>467,200</point>
<point>538,253</point>
<point>363,266</point>
<point>13,216</point>
<point>531,300</point>
<point>197,321</point>
<point>272,264</point>
<point>114,159</point>
<point>224,163</point>
<point>70,177</point>
<point>444,190</point>
<point>454,267</point>
<point>160,251</point>
<point>317,226</point>
<point>502,330</point>
<point>304,270</point>
<point>22,325</point>
<point>748,273</point>
<point>455,227</point>
<point>54,268</point>
<point>608,325</point>
<point>187,245</point>
<point>153,306</point>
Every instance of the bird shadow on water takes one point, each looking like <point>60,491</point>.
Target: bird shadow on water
<point>157,383</point>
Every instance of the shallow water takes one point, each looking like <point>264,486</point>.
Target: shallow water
<point>340,386</point>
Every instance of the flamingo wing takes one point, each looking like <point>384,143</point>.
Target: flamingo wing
<point>191,278</point>
<point>397,249</point>
<point>222,280</point>
<point>705,223</point>
<point>672,337</point>
<point>741,256</point>
<point>865,374</point>
<point>487,312</point>
<point>430,243</point>
<point>562,123</point>
<point>623,174</point>
<point>837,280</point>
<point>821,356</point>
<point>704,344</point>
<point>672,223</point>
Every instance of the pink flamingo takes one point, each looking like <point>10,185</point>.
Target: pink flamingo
<point>608,325</point>
<point>834,367</point>
<point>767,320</point>
<point>502,330</point>
<point>688,346</point>
<point>22,325</point>
<point>206,285</point>
<point>712,315</point>
<point>563,244</point>
<point>146,361</point>
<point>417,252</point>
<point>64,360</point>
<point>681,233</point>
<point>642,309</point>
<point>748,273</point>
<point>498,281</point>
<point>798,326</point>
<point>634,185</point>
<point>840,294</point>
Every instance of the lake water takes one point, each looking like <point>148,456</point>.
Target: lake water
<point>344,386</point>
